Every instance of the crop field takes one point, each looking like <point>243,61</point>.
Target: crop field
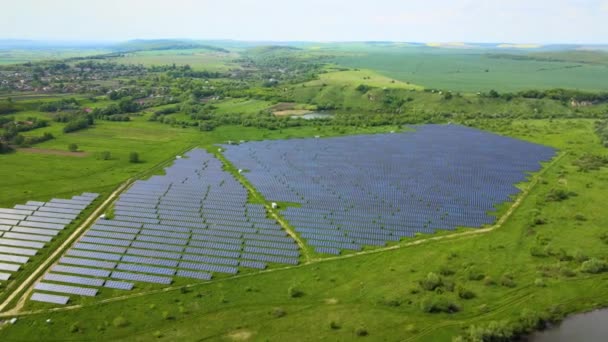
<point>475,71</point>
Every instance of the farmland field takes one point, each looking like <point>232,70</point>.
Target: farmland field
<point>474,71</point>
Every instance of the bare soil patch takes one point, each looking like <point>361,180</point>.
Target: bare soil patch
<point>240,335</point>
<point>292,112</point>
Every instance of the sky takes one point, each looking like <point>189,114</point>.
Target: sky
<point>511,21</point>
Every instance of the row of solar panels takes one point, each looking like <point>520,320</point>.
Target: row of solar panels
<point>27,228</point>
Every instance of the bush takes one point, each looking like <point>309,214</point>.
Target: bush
<point>105,155</point>
<point>74,328</point>
<point>73,147</point>
<point>446,270</point>
<point>539,282</point>
<point>167,315</point>
<point>475,275</point>
<point>133,157</point>
<point>76,125</point>
<point>334,325</point>
<point>489,281</point>
<point>594,266</point>
<point>120,322</point>
<point>279,312</point>
<point>465,293</point>
<point>361,331</point>
<point>294,292</point>
<point>438,305</point>
<point>558,195</point>
<point>431,282</point>
<point>507,281</point>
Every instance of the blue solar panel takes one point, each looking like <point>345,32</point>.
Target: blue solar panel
<point>48,298</point>
<point>119,285</point>
<point>141,277</point>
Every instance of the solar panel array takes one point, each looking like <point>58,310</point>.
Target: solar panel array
<point>368,190</point>
<point>190,223</point>
<point>27,228</point>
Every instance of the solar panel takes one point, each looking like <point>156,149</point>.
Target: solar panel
<point>87,262</point>
<point>154,254</point>
<point>207,267</point>
<point>118,223</point>
<point>112,235</point>
<point>18,251</point>
<point>81,271</point>
<point>150,261</point>
<point>4,276</point>
<point>100,248</point>
<point>64,206</point>
<point>80,291</point>
<point>49,220</point>
<point>115,229</point>
<point>119,285</point>
<point>8,222</point>
<point>12,217</point>
<point>55,215</point>
<point>194,275</point>
<point>47,298</point>
<point>145,278</point>
<point>15,212</point>
<point>145,269</point>
<point>4,228</point>
<point>19,236</point>
<point>9,267</point>
<point>14,258</point>
<point>59,210</point>
<point>253,264</point>
<point>104,241</point>
<point>36,203</point>
<point>42,225</point>
<point>26,207</point>
<point>327,250</point>
<point>60,278</point>
<point>210,259</point>
<point>93,255</point>
<point>157,246</point>
<point>37,231</point>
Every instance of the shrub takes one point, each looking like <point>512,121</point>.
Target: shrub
<point>475,275</point>
<point>507,281</point>
<point>295,292</point>
<point>73,147</point>
<point>120,322</point>
<point>539,282</point>
<point>465,293</point>
<point>133,157</point>
<point>446,270</point>
<point>558,195</point>
<point>334,325</point>
<point>279,312</point>
<point>104,155</point>
<point>75,327</point>
<point>361,331</point>
<point>537,251</point>
<point>167,315</point>
<point>594,266</point>
<point>157,334</point>
<point>489,281</point>
<point>439,304</point>
<point>431,282</point>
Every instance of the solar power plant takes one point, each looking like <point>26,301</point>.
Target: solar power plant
<point>190,223</point>
<point>370,189</point>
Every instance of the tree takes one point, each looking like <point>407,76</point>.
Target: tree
<point>73,147</point>
<point>133,157</point>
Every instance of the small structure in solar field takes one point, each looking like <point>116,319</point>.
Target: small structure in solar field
<point>274,205</point>
<point>178,157</point>
<point>102,216</point>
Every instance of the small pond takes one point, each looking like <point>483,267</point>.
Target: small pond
<point>587,327</point>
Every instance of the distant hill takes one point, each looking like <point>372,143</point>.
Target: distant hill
<point>163,44</point>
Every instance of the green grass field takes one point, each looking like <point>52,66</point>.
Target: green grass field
<point>378,292</point>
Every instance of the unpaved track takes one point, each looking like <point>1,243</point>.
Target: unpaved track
<point>463,235</point>
<point>40,270</point>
